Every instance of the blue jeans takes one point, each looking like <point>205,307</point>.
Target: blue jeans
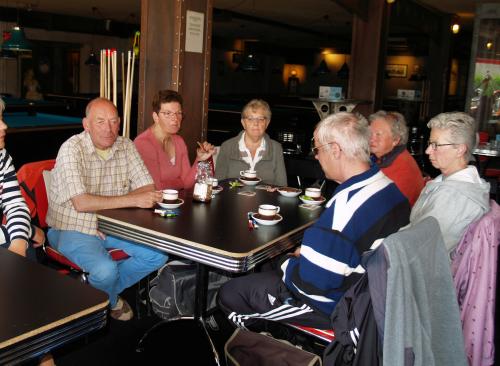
<point>89,253</point>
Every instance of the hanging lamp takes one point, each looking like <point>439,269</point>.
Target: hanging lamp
<point>17,41</point>
<point>343,72</point>
<point>249,64</point>
<point>322,68</point>
<point>92,60</point>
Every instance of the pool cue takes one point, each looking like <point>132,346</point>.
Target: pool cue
<point>130,93</point>
<point>115,96</point>
<point>109,73</point>
<point>123,81</point>
<point>101,74</point>
<point>105,74</point>
<point>125,109</point>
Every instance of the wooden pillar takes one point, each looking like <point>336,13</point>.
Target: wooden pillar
<point>368,50</point>
<point>165,63</point>
<point>439,70</point>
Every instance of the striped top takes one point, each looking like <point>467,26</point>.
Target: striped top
<point>364,210</point>
<point>13,207</point>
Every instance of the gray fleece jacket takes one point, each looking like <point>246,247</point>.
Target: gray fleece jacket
<point>455,201</point>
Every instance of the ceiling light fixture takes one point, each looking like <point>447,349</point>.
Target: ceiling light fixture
<point>455,26</point>
<point>390,1</point>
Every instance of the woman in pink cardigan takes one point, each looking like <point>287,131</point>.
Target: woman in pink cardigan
<point>163,151</point>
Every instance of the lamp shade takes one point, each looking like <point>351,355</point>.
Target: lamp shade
<point>17,41</point>
<point>322,68</point>
<point>249,63</point>
<point>343,72</point>
<point>92,60</point>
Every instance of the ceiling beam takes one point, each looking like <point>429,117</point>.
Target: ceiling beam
<point>355,7</point>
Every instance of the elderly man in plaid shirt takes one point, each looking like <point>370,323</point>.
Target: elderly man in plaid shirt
<point>96,170</point>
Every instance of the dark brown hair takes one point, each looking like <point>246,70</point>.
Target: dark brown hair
<point>165,96</point>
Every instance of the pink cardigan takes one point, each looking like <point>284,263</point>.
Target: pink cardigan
<point>474,270</point>
<point>165,175</point>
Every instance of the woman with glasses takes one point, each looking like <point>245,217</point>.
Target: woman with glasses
<point>459,196</point>
<point>388,137</point>
<point>253,149</point>
<point>163,151</point>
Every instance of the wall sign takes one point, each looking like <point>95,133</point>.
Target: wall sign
<point>194,31</point>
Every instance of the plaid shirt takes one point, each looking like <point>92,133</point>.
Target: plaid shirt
<point>79,170</point>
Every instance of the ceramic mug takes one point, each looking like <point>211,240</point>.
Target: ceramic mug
<point>248,173</point>
<point>170,195</point>
<point>313,192</point>
<point>268,210</point>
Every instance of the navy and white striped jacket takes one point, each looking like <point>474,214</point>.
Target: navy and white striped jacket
<point>364,209</point>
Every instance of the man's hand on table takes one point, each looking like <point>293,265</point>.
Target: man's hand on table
<point>147,199</point>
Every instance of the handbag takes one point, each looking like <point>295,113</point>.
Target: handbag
<point>172,291</point>
<point>245,348</point>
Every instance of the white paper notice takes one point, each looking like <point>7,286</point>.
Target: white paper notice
<point>194,31</point>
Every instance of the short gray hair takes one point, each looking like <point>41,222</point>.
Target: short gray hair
<point>462,129</point>
<point>255,104</point>
<point>397,122</point>
<point>2,105</point>
<point>350,131</point>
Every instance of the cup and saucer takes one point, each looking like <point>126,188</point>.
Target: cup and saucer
<point>312,196</point>
<point>171,199</point>
<point>289,191</point>
<point>267,215</point>
<point>249,177</point>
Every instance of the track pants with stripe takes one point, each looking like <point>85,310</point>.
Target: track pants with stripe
<point>249,299</point>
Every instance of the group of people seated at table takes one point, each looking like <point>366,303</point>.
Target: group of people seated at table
<point>378,179</point>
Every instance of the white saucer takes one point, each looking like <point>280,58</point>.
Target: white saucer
<point>288,193</point>
<point>312,202</point>
<point>250,182</point>
<point>217,189</point>
<point>171,205</point>
<point>267,222</point>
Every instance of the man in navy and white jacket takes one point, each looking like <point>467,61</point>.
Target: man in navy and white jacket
<point>366,207</point>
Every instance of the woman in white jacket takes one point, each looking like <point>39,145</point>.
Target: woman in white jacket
<point>459,196</point>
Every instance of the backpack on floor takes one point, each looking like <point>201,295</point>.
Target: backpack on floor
<point>172,292</point>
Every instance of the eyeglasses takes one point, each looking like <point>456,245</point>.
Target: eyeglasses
<point>315,149</point>
<point>170,115</point>
<point>435,145</point>
<point>256,119</point>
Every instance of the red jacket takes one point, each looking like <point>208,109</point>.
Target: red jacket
<point>405,172</point>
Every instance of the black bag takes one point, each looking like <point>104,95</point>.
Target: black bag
<point>246,348</point>
<point>172,292</point>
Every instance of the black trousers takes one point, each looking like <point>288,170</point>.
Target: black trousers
<point>250,299</point>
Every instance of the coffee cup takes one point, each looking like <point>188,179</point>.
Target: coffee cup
<point>215,182</point>
<point>313,192</point>
<point>248,173</point>
<point>170,195</point>
<point>268,210</point>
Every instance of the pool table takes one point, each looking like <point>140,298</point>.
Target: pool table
<point>37,136</point>
<point>28,121</point>
<point>26,105</point>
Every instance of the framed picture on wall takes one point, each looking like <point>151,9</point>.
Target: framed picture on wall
<point>396,70</point>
